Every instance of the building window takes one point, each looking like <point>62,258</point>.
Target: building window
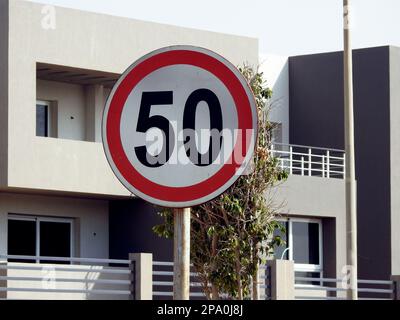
<point>276,132</point>
<point>46,119</point>
<point>42,118</point>
<point>303,244</point>
<point>22,238</point>
<point>40,237</point>
<point>281,252</point>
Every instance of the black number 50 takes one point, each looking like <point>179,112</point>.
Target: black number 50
<point>146,122</point>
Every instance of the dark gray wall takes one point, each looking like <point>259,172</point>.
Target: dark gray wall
<point>317,119</point>
<point>329,248</point>
<point>130,224</point>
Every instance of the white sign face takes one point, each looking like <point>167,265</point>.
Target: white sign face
<point>180,126</point>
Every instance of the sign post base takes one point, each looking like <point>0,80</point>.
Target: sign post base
<point>181,254</point>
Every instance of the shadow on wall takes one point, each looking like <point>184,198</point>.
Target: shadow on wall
<point>130,223</point>
<point>276,72</point>
<point>280,89</point>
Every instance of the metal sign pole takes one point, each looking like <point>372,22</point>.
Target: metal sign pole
<point>181,254</point>
<point>351,191</point>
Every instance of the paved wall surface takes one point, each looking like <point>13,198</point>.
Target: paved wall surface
<point>395,157</point>
<point>3,92</point>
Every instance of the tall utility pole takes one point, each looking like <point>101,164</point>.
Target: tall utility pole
<point>351,187</point>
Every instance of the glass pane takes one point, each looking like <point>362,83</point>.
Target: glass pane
<point>277,133</point>
<point>41,120</point>
<point>305,242</point>
<point>55,240</point>
<point>22,239</point>
<point>307,278</point>
<point>278,251</point>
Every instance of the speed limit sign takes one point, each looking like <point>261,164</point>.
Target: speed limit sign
<point>180,126</point>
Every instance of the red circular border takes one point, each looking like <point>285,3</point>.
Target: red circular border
<point>121,161</point>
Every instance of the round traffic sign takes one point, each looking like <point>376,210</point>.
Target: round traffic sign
<point>179,126</point>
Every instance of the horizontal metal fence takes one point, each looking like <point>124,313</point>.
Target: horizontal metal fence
<point>38,277</point>
<point>163,282</point>
<point>318,288</point>
<point>310,161</point>
<point>58,278</point>
<point>265,282</point>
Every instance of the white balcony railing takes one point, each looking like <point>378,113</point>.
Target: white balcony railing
<point>310,161</point>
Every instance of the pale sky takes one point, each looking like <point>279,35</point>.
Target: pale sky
<point>283,27</point>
